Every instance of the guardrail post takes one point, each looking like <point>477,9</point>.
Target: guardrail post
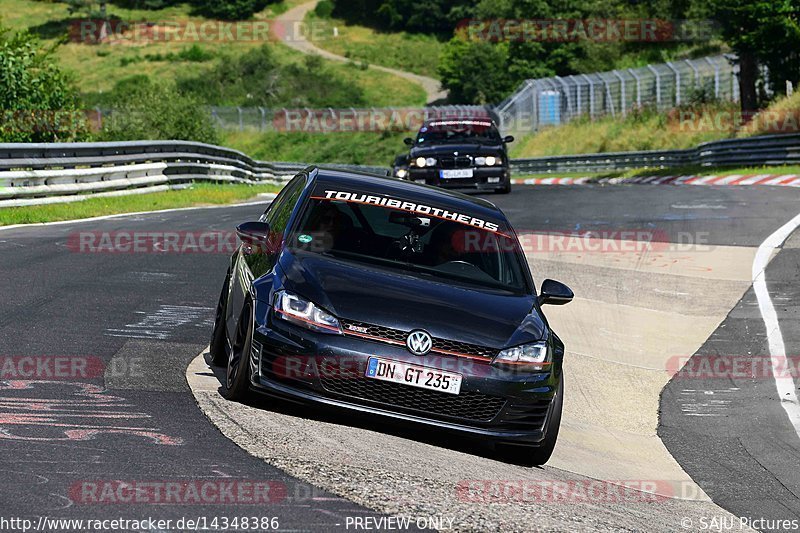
<point>241,119</point>
<point>263,118</point>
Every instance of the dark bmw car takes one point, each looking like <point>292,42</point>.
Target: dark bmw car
<point>392,299</point>
<point>466,154</point>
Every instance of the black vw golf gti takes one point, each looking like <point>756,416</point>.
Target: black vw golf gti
<point>466,154</point>
<point>392,299</point>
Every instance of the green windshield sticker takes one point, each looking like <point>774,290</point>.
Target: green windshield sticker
<point>305,239</point>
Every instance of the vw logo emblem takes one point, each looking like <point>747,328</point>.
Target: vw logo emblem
<point>419,342</point>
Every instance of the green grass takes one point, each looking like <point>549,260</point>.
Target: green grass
<point>410,52</point>
<point>648,130</point>
<point>683,171</point>
<point>97,68</point>
<point>198,195</point>
<point>360,148</point>
<point>644,130</point>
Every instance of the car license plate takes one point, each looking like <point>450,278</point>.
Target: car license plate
<point>458,173</point>
<point>414,375</point>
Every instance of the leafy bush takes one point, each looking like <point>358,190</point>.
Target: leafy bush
<point>474,71</point>
<point>324,9</point>
<point>143,109</point>
<point>229,9</point>
<point>256,78</point>
<point>38,102</point>
<point>431,16</point>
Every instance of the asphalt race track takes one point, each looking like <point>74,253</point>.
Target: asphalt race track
<point>122,415</point>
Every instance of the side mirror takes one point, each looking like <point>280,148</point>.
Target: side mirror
<point>409,141</point>
<point>254,235</point>
<point>555,293</point>
<point>508,139</point>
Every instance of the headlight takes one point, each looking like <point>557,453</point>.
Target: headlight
<point>489,160</point>
<point>535,354</point>
<point>420,161</point>
<point>430,161</point>
<point>401,173</point>
<point>300,311</point>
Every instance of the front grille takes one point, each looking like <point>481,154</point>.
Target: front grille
<point>399,336</point>
<point>472,406</point>
<point>455,162</point>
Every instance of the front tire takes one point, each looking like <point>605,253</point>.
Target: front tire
<point>506,187</point>
<point>538,455</point>
<point>218,348</point>
<point>237,375</point>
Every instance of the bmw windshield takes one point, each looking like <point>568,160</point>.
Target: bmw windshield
<point>465,131</point>
<point>422,240</point>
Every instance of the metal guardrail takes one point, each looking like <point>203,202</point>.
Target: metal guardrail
<point>766,150</point>
<point>48,173</point>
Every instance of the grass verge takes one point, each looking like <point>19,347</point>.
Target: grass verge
<point>200,194</point>
<point>683,171</point>
<point>409,52</point>
<point>355,148</point>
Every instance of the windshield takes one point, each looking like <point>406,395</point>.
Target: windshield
<point>458,131</point>
<point>422,245</point>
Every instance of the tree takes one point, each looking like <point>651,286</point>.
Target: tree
<point>38,102</point>
<point>143,109</point>
<point>475,72</point>
<point>230,9</point>
<point>761,33</point>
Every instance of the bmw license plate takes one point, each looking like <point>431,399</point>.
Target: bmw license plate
<point>414,375</point>
<point>457,173</point>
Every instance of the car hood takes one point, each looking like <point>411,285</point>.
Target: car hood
<point>394,299</point>
<point>462,149</point>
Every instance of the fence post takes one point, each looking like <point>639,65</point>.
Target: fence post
<point>658,85</point>
<point>263,119</point>
<point>694,70</point>
<point>716,76</point>
<point>677,82</point>
<point>591,95</point>
<point>622,102</point>
<point>638,87</point>
<point>241,119</point>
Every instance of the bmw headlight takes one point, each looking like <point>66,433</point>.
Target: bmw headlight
<point>425,162</point>
<point>298,310</point>
<point>489,160</point>
<point>535,354</point>
<point>420,161</point>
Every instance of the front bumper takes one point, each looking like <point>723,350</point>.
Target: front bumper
<point>313,368</point>
<point>483,178</point>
